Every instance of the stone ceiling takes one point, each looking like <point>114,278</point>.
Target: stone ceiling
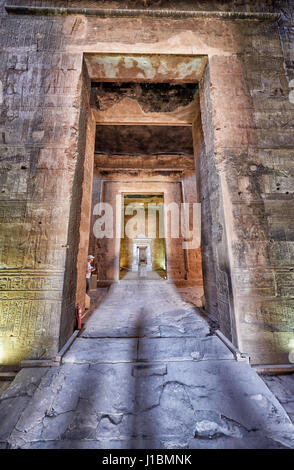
<point>143,140</point>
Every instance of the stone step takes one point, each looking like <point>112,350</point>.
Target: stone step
<point>193,328</point>
<point>104,350</point>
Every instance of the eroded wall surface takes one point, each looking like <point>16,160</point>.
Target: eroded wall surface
<point>247,120</point>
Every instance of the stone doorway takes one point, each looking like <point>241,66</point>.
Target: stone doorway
<point>145,165</point>
<point>144,229</point>
<point>152,135</point>
<point>142,131</point>
<point>149,140</point>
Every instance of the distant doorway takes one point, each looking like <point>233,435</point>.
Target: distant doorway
<point>143,226</point>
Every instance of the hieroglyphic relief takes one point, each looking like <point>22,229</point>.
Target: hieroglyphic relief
<point>26,318</point>
<point>30,306</point>
<point>30,282</point>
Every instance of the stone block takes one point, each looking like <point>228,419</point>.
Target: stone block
<point>87,301</point>
<point>94,282</point>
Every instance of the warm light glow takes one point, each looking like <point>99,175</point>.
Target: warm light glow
<point>291,351</point>
<point>162,264</point>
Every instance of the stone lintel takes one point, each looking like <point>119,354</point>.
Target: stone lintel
<point>142,162</point>
<point>133,13</point>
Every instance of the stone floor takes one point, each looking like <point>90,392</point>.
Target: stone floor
<point>145,373</point>
<point>128,275</point>
<point>282,387</point>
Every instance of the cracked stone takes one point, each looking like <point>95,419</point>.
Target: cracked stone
<point>149,369</point>
<point>135,391</point>
<point>212,426</point>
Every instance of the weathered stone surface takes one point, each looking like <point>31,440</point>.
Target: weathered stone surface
<point>208,401</point>
<point>283,388</point>
<point>141,308</point>
<point>145,349</point>
<point>193,404</point>
<point>104,95</point>
<point>15,399</point>
<point>148,68</point>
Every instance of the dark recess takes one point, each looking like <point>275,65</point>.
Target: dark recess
<point>152,97</point>
<point>144,140</point>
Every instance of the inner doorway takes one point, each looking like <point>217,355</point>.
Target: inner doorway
<point>144,153</point>
<point>142,233</point>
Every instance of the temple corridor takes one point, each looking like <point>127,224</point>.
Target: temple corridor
<point>146,225</point>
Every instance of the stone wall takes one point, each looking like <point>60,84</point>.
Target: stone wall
<point>286,21</point>
<point>248,134</point>
<point>264,180</point>
<point>78,222</point>
<point>193,252</point>
<point>244,197</point>
<point>39,151</point>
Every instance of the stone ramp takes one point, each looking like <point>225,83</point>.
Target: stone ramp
<point>155,381</point>
<point>145,308</point>
<point>282,387</point>
<point>203,404</point>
